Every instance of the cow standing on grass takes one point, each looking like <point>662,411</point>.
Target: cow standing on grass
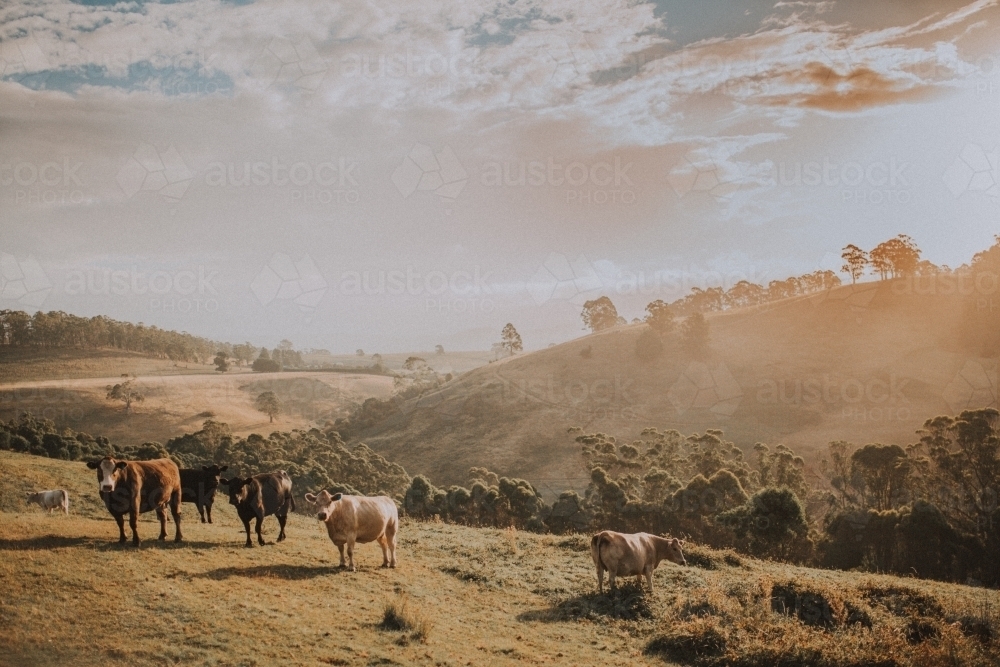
<point>49,500</point>
<point>260,496</point>
<point>624,555</point>
<point>351,519</point>
<point>135,487</point>
<point>198,487</point>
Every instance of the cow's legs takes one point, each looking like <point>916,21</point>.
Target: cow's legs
<point>246,525</point>
<point>201,511</point>
<point>390,534</point>
<point>133,523</point>
<point>175,512</point>
<point>611,580</point>
<point>208,511</point>
<point>120,519</point>
<point>350,556</point>
<point>260,538</point>
<point>384,543</point>
<point>161,514</point>
<point>600,576</point>
<point>281,522</point>
<point>340,547</point>
<point>649,578</point>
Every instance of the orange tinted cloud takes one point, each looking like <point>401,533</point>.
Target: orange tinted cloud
<point>860,88</point>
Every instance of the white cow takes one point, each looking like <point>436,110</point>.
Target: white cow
<point>351,519</point>
<point>625,555</point>
<point>49,500</point>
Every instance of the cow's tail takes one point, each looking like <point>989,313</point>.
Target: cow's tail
<point>288,491</point>
<point>596,543</point>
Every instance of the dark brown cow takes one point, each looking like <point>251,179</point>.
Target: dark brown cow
<point>260,496</point>
<point>198,487</point>
<point>135,487</point>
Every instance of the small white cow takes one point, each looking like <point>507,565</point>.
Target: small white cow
<point>624,555</point>
<point>49,500</point>
<point>351,519</point>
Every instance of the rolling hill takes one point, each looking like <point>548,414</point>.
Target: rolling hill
<point>69,387</point>
<point>864,363</point>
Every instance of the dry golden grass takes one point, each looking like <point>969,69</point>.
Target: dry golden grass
<point>179,399</point>
<point>461,596</point>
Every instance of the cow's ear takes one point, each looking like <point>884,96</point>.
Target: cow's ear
<point>205,468</point>
<point>93,464</point>
<point>224,482</point>
<point>337,496</point>
<point>120,465</point>
<point>248,480</point>
<point>310,497</point>
<point>223,468</point>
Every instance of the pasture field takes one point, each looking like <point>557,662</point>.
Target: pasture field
<point>69,594</point>
<point>34,365</point>
<point>178,403</point>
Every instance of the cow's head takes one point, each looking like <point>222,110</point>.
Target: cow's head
<point>109,472</point>
<point>213,475</point>
<point>670,548</point>
<point>239,489</point>
<point>325,503</point>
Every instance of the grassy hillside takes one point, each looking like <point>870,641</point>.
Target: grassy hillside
<point>70,595</point>
<point>179,402</point>
<point>19,365</point>
<point>865,363</point>
<point>449,362</point>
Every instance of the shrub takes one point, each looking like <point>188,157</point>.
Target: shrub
<point>690,643</point>
<point>810,606</point>
<point>773,520</point>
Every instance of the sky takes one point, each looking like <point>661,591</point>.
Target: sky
<point>393,176</point>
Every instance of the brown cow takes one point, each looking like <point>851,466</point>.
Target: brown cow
<point>351,519</point>
<point>140,486</point>
<point>624,555</point>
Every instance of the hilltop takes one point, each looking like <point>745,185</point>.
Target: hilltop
<point>864,363</point>
<point>469,596</point>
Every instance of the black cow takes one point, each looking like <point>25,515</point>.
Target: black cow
<point>260,496</point>
<point>199,487</point>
